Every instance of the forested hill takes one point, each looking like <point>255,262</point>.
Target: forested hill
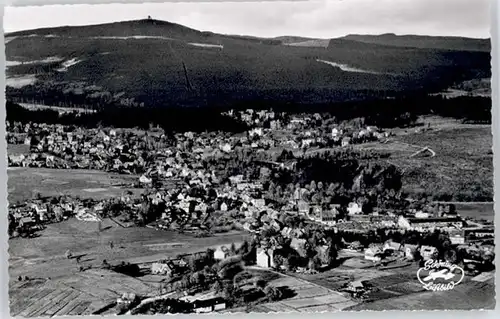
<point>425,42</point>
<point>158,63</point>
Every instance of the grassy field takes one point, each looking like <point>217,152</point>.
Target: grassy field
<point>44,257</point>
<point>398,289</point>
<point>79,294</point>
<point>309,297</point>
<point>17,149</point>
<point>26,183</point>
<point>461,170</point>
<point>476,210</point>
<point>131,244</point>
<point>467,296</point>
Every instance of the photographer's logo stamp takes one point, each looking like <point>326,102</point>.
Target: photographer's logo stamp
<point>440,275</point>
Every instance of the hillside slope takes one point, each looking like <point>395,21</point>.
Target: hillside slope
<point>159,63</point>
<point>428,42</point>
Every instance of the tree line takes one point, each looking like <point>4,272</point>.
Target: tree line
<point>383,112</point>
<point>170,119</point>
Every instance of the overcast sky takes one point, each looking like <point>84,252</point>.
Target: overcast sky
<point>322,18</point>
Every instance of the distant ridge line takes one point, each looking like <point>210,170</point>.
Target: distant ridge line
<point>279,38</point>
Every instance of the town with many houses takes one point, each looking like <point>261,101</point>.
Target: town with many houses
<point>258,183</point>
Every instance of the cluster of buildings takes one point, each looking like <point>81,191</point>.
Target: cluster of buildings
<point>260,119</point>
<point>352,219</point>
<point>307,130</point>
<point>378,252</point>
<point>58,146</point>
<point>123,151</point>
<point>156,154</point>
<point>33,214</point>
<point>345,137</point>
<point>183,184</point>
<point>475,240</point>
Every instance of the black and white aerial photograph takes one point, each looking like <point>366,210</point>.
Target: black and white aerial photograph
<point>255,157</point>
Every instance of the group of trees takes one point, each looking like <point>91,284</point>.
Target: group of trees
<point>12,224</point>
<point>127,269</point>
<point>226,277</point>
<point>325,179</point>
<point>403,110</point>
<point>436,238</point>
<point>162,306</point>
<point>341,168</point>
<point>309,257</point>
<point>232,279</point>
<point>317,247</point>
<point>73,95</point>
<point>170,119</point>
<point>397,112</point>
<point>203,271</point>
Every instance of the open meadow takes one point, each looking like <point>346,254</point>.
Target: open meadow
<point>308,296</point>
<point>457,167</point>
<point>132,244</point>
<point>398,289</point>
<point>476,210</point>
<point>81,293</point>
<point>18,149</point>
<point>56,285</point>
<point>26,183</point>
<point>470,295</point>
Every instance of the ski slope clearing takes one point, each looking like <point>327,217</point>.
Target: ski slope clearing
<point>347,68</point>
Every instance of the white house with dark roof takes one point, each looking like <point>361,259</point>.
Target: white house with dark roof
<point>221,253</point>
<point>354,209</point>
<point>374,254</point>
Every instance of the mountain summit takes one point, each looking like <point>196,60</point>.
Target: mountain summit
<point>143,27</point>
<point>159,63</point>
